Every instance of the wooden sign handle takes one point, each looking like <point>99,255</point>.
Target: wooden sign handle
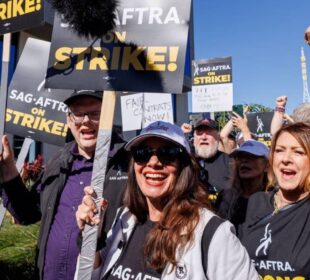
<point>4,81</point>
<point>90,233</point>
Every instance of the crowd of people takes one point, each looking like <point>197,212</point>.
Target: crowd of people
<point>219,206</point>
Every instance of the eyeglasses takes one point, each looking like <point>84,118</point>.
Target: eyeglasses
<point>165,155</point>
<point>78,117</point>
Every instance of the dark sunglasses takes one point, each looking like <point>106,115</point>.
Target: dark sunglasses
<point>165,155</point>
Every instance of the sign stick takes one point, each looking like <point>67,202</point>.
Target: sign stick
<point>90,233</point>
<point>19,165</point>
<point>3,96</point>
<point>4,81</point>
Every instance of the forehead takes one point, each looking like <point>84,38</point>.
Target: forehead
<point>287,139</point>
<point>205,129</point>
<point>85,102</point>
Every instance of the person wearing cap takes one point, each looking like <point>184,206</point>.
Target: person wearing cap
<point>206,145</point>
<point>54,198</point>
<point>164,231</point>
<point>250,166</point>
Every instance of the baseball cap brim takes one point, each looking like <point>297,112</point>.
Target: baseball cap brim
<point>206,123</point>
<point>141,138</point>
<point>76,94</point>
<point>252,147</point>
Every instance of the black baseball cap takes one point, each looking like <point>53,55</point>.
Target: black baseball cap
<point>83,92</point>
<point>206,122</point>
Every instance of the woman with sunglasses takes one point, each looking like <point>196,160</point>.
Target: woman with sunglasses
<point>163,230</point>
<point>277,227</point>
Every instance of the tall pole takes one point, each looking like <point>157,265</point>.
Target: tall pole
<point>306,97</point>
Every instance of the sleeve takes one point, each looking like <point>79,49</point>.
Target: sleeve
<point>20,202</point>
<point>222,205</point>
<point>227,258</point>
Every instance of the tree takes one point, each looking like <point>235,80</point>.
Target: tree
<point>223,117</point>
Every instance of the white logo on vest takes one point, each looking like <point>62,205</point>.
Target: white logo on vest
<point>264,242</point>
<point>181,271</point>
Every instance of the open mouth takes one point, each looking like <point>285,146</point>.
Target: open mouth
<point>244,168</point>
<point>155,178</point>
<point>88,134</point>
<point>288,174</point>
<point>204,144</point>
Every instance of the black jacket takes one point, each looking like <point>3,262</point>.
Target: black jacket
<point>30,207</point>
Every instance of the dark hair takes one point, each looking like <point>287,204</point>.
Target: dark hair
<point>180,213</point>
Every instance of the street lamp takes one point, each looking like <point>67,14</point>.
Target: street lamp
<point>307,35</point>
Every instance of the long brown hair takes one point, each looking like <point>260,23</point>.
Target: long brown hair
<point>180,214</point>
<point>301,132</point>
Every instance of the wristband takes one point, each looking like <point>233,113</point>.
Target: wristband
<point>280,109</point>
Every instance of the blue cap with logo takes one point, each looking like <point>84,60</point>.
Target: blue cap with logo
<point>252,147</point>
<point>161,129</point>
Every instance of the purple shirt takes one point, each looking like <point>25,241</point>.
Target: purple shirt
<point>61,249</point>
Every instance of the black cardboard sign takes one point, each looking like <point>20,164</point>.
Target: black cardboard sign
<point>34,111</point>
<point>145,53</point>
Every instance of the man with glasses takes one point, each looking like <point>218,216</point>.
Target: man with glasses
<point>55,196</point>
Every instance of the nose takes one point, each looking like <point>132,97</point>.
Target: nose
<point>287,157</point>
<point>153,161</point>
<point>86,119</point>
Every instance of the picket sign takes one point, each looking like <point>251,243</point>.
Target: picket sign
<point>19,165</point>
<point>90,233</point>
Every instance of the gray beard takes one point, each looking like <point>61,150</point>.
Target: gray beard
<point>206,151</point>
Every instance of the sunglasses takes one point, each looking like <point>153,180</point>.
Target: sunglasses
<point>165,155</point>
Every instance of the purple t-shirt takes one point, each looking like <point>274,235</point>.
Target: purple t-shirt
<point>61,249</point>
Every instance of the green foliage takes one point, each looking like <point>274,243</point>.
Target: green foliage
<point>223,117</point>
<point>17,250</point>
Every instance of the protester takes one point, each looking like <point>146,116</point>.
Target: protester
<point>229,139</point>
<point>277,227</point>
<point>165,229</point>
<point>59,190</point>
<point>301,113</point>
<point>249,176</point>
<point>215,162</point>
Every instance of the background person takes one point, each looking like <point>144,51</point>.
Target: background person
<point>206,145</point>
<point>228,142</point>
<point>162,232</point>
<point>59,190</point>
<point>277,226</point>
<point>249,175</point>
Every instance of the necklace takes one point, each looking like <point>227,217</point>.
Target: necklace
<point>275,204</point>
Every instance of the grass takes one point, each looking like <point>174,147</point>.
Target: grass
<point>17,250</point>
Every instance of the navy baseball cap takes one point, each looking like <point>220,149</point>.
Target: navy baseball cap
<point>206,122</point>
<point>252,147</point>
<point>83,92</point>
<point>163,130</point>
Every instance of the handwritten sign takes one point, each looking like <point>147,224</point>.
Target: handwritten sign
<point>140,109</point>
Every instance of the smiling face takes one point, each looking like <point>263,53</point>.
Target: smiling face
<point>290,164</point>
<point>154,178</point>
<point>85,133</point>
<point>206,141</point>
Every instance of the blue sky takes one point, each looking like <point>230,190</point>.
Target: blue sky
<point>264,39</point>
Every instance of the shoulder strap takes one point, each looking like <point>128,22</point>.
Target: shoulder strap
<point>207,235</point>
